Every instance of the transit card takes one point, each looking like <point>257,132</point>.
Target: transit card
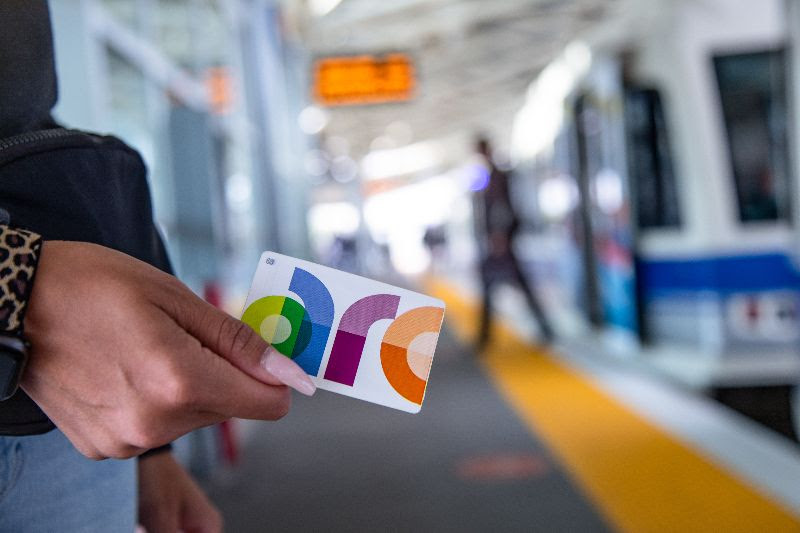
<point>352,335</point>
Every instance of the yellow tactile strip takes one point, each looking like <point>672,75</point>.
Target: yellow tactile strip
<point>641,478</point>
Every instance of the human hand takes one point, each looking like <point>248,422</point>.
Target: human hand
<point>170,500</point>
<point>125,358</point>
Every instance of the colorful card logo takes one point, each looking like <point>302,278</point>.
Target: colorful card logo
<point>302,330</point>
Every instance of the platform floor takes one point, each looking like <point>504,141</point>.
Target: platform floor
<point>514,439</point>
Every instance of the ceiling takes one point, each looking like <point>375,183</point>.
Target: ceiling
<point>474,61</point>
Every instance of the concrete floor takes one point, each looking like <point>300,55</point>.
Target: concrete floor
<point>465,463</point>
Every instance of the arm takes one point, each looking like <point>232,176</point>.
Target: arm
<point>125,358</point>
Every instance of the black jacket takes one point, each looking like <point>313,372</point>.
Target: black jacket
<point>62,184</point>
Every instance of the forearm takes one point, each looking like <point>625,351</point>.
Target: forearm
<point>19,256</point>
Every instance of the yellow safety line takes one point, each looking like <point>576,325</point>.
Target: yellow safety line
<point>640,478</point>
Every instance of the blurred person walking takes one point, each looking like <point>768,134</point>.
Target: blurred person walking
<point>496,226</point>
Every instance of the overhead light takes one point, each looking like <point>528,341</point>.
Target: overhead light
<point>337,218</point>
<point>344,169</point>
<point>320,8</point>
<point>312,120</point>
<point>541,119</point>
<point>609,191</point>
<point>411,159</point>
<point>239,192</point>
<point>557,196</point>
<point>316,164</point>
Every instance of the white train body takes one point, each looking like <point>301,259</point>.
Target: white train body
<point>670,140</point>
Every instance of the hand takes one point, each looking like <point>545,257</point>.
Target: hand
<point>170,501</point>
<point>125,358</point>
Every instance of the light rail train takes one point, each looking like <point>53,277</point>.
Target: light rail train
<point>662,155</point>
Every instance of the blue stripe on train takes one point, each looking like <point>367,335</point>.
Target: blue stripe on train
<point>727,274</point>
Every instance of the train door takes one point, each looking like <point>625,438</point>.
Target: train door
<point>584,162</point>
<point>652,181</point>
<point>604,225</point>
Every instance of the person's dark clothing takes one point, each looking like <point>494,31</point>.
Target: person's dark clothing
<point>28,89</point>
<point>59,184</point>
<point>494,212</point>
<point>496,225</point>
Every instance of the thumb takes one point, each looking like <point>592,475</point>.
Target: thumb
<point>235,341</point>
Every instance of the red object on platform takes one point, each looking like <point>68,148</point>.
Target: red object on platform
<point>212,293</point>
<point>230,449</point>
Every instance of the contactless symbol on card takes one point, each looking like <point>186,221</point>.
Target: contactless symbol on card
<point>352,335</point>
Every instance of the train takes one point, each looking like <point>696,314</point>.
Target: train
<point>659,158</point>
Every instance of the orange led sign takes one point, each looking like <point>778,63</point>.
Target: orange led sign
<point>364,79</point>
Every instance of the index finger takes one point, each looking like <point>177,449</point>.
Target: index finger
<point>236,342</point>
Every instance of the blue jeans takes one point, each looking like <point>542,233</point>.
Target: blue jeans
<point>46,485</point>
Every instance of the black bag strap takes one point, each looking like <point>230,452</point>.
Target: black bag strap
<point>31,143</point>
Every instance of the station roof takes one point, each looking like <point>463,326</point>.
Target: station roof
<point>474,60</point>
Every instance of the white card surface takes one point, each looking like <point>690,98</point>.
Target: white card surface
<point>352,335</point>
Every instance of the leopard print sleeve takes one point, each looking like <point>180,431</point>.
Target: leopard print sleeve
<point>19,255</point>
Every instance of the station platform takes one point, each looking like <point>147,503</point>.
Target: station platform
<point>517,438</point>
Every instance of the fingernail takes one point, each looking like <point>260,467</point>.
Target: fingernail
<point>287,371</point>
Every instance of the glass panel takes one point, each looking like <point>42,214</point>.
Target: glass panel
<point>123,10</point>
<point>650,161</point>
<point>752,88</point>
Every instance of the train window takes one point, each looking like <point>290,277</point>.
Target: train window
<point>753,91</point>
<point>649,160</point>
